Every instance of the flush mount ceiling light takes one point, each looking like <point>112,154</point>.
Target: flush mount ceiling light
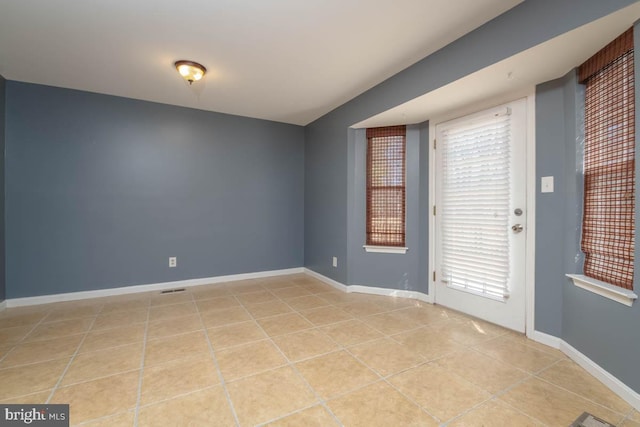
<point>190,71</point>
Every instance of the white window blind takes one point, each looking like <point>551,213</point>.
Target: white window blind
<point>475,205</point>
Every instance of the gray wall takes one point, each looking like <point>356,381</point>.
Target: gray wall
<point>396,271</point>
<point>3,84</point>
<point>101,190</point>
<point>601,329</point>
<point>327,161</point>
<point>325,190</point>
<point>550,207</point>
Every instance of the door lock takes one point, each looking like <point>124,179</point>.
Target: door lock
<point>517,228</point>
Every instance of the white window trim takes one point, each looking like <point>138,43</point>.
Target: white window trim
<point>615,293</point>
<point>385,249</point>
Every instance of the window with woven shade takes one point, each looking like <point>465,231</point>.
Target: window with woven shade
<point>386,150</point>
<point>608,230</point>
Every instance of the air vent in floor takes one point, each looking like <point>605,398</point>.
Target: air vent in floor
<point>588,420</point>
<point>171,291</point>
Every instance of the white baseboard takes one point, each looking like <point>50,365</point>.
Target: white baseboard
<point>370,289</point>
<point>614,384</point>
<point>546,339</point>
<point>339,286</point>
<point>390,293</point>
<point>73,296</point>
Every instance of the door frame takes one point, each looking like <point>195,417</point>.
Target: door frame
<point>530,151</point>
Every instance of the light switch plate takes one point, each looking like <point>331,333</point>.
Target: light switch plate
<point>546,184</point>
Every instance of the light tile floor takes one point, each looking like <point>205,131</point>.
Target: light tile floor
<point>287,351</point>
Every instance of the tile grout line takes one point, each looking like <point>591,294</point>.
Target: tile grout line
<point>492,396</point>
<point>386,381</point>
<point>217,365</point>
<point>73,357</point>
<point>466,347</point>
<point>135,409</point>
<point>469,410</point>
<point>316,327</point>
<point>21,341</point>
<point>384,378</point>
<point>340,347</point>
<point>297,411</point>
<point>73,334</point>
<point>629,415</point>
<point>136,413</point>
<point>566,390</point>
<point>291,365</point>
<point>172,397</point>
<point>474,347</point>
<point>84,381</point>
<point>103,418</point>
<point>532,375</point>
<point>498,394</point>
<point>522,413</point>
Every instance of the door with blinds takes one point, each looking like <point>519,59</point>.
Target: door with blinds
<point>481,214</point>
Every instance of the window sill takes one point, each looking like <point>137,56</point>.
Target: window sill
<point>615,293</point>
<point>385,249</point>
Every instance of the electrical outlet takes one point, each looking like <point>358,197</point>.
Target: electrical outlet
<point>335,261</point>
<point>173,261</point>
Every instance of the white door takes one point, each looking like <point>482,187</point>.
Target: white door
<point>481,214</point>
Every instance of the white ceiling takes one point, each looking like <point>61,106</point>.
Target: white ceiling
<point>284,60</point>
<point>513,77</point>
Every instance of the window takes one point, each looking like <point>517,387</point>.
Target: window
<point>386,148</point>
<point>608,229</point>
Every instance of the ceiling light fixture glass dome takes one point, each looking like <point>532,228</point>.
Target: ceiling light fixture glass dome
<point>190,71</point>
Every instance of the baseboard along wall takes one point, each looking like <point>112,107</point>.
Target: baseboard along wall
<point>613,383</point>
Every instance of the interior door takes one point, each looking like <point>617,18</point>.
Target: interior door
<point>481,214</point>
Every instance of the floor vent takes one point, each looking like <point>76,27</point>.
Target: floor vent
<point>588,420</point>
<point>171,291</point>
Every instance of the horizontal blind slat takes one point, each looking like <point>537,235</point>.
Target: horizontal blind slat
<point>475,203</point>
